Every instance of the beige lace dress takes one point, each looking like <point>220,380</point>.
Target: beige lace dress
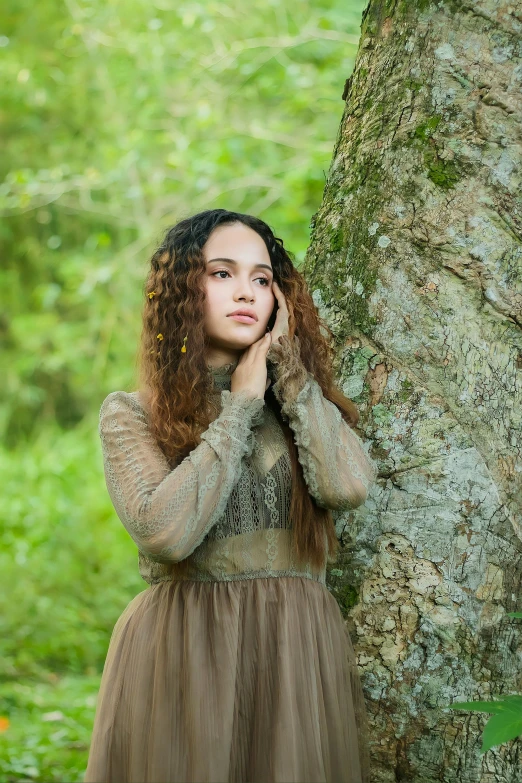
<point>242,670</point>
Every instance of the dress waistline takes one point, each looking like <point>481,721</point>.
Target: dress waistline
<point>251,555</point>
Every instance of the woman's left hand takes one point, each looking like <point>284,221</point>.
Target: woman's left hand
<point>284,323</point>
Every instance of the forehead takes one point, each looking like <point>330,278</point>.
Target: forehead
<point>237,242</point>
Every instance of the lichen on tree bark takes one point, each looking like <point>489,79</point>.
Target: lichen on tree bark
<point>416,264</point>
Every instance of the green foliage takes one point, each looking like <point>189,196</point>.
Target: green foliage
<point>122,119</point>
<point>505,722</point>
<point>69,563</point>
<point>49,729</point>
<point>118,120</point>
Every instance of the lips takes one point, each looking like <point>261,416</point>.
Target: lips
<point>246,319</point>
<point>247,313</point>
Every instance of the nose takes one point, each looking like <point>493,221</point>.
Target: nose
<point>246,292</point>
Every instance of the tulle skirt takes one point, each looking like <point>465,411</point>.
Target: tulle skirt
<point>244,681</point>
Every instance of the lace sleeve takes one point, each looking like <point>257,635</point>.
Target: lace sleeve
<point>335,465</point>
<point>168,512</point>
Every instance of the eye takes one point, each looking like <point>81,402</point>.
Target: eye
<point>220,271</point>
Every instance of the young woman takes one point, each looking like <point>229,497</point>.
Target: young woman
<point>234,664</point>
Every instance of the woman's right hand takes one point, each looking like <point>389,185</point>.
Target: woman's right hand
<point>251,373</point>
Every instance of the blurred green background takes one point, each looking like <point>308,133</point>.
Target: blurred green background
<point>120,118</point>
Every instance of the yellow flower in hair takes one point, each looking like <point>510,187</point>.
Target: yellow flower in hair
<point>160,337</point>
<point>151,294</point>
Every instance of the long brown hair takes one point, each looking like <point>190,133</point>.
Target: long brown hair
<point>177,386</point>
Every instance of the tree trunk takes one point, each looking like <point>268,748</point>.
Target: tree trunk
<point>416,264</point>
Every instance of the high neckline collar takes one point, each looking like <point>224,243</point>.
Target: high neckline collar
<point>222,376</point>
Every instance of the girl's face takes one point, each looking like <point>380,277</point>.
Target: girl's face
<point>239,275</point>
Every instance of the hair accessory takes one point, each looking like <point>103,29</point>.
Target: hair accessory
<point>151,294</point>
<point>184,347</point>
<point>160,336</point>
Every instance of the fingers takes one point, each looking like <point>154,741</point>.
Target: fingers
<point>281,300</point>
<point>278,294</point>
<point>265,342</point>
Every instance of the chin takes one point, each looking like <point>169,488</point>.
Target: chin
<point>234,345</point>
<point>246,343</point>
<point>246,339</point>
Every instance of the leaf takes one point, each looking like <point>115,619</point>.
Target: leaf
<point>479,706</point>
<point>514,614</point>
<point>502,728</point>
<point>505,723</point>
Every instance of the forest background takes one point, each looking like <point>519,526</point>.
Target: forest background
<point>119,119</point>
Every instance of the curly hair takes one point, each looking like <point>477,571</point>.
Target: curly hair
<point>177,386</point>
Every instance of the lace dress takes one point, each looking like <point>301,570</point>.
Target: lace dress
<point>243,669</point>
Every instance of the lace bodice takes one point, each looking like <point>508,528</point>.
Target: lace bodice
<point>225,507</point>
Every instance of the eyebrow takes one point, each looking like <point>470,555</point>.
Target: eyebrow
<point>231,261</point>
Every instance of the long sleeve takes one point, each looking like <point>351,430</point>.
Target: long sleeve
<point>169,512</point>
<point>336,468</point>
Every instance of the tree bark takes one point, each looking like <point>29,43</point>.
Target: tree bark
<point>415,262</point>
